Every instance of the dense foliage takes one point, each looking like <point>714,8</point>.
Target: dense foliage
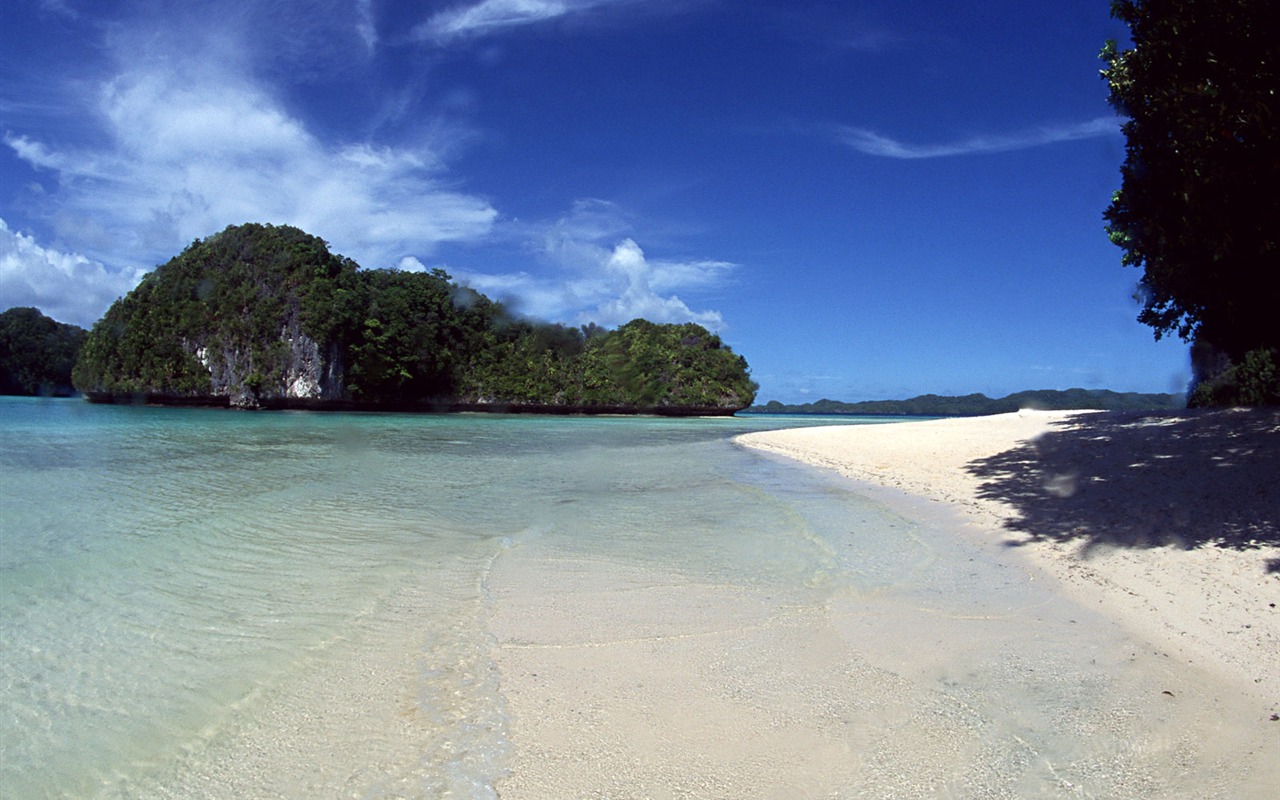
<point>932,405</point>
<point>1198,209</point>
<point>37,353</point>
<point>246,312</point>
<point>230,293</point>
<point>1254,381</point>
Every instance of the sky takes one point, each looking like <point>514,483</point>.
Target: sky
<point>866,199</point>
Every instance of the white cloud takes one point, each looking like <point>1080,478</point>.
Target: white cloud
<point>33,152</point>
<point>188,160</point>
<point>185,136</point>
<point>874,144</point>
<point>184,160</point>
<point>628,269</point>
<point>489,15</point>
<point>604,276</point>
<point>492,16</point>
<point>65,286</point>
<point>575,240</point>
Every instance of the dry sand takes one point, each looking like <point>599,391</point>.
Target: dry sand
<point>1128,648</point>
<point>1169,522</point>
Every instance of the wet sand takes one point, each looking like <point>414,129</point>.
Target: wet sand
<point>1007,672</point>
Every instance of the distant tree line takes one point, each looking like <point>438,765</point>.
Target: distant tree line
<point>266,315</point>
<point>972,405</point>
<point>37,353</point>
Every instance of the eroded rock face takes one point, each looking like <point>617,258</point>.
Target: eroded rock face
<point>305,368</point>
<point>310,375</point>
<point>302,371</point>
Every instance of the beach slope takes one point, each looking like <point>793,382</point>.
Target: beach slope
<point>1169,522</point>
<point>1125,647</point>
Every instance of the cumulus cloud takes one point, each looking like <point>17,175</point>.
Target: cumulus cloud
<point>627,269</point>
<point>602,275</point>
<point>182,159</point>
<point>875,144</point>
<point>66,286</point>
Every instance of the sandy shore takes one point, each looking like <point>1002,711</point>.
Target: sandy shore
<point>1168,522</point>
<point>1153,675</point>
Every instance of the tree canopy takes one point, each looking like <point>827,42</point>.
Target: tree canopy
<point>37,353</point>
<point>256,311</point>
<point>1198,209</point>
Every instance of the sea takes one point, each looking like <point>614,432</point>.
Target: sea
<point>176,583</point>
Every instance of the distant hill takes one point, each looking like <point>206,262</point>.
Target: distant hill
<point>37,353</point>
<point>974,405</point>
<point>263,316</point>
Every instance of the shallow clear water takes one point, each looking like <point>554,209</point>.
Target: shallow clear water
<point>165,572</point>
<point>205,603</point>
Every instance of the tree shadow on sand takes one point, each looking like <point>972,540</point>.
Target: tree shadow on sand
<point>1131,479</point>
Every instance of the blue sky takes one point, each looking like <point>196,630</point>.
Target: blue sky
<point>866,199</point>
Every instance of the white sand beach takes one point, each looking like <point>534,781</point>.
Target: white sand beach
<point>1169,522</point>
<point>1128,647</point>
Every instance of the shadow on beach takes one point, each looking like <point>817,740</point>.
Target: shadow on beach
<point>1132,479</point>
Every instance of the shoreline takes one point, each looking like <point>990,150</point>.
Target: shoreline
<point>1161,521</point>
<point>966,669</point>
<point>430,405</point>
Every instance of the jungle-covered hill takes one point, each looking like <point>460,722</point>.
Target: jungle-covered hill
<point>265,316</point>
<point>972,405</point>
<point>37,353</point>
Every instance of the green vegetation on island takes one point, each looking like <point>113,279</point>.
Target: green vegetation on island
<point>975,405</point>
<point>1197,208</point>
<point>37,353</point>
<point>265,316</point>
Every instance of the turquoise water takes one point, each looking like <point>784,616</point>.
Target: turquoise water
<point>165,572</point>
<point>205,603</point>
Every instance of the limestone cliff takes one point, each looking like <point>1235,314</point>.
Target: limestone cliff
<point>300,370</point>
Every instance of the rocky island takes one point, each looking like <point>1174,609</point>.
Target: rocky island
<point>264,316</point>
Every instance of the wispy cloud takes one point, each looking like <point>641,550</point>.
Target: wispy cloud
<point>600,274</point>
<point>188,122</point>
<point>366,27</point>
<point>184,159</point>
<point>66,286</point>
<point>489,16</point>
<point>875,144</point>
<point>60,7</point>
<point>493,16</point>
